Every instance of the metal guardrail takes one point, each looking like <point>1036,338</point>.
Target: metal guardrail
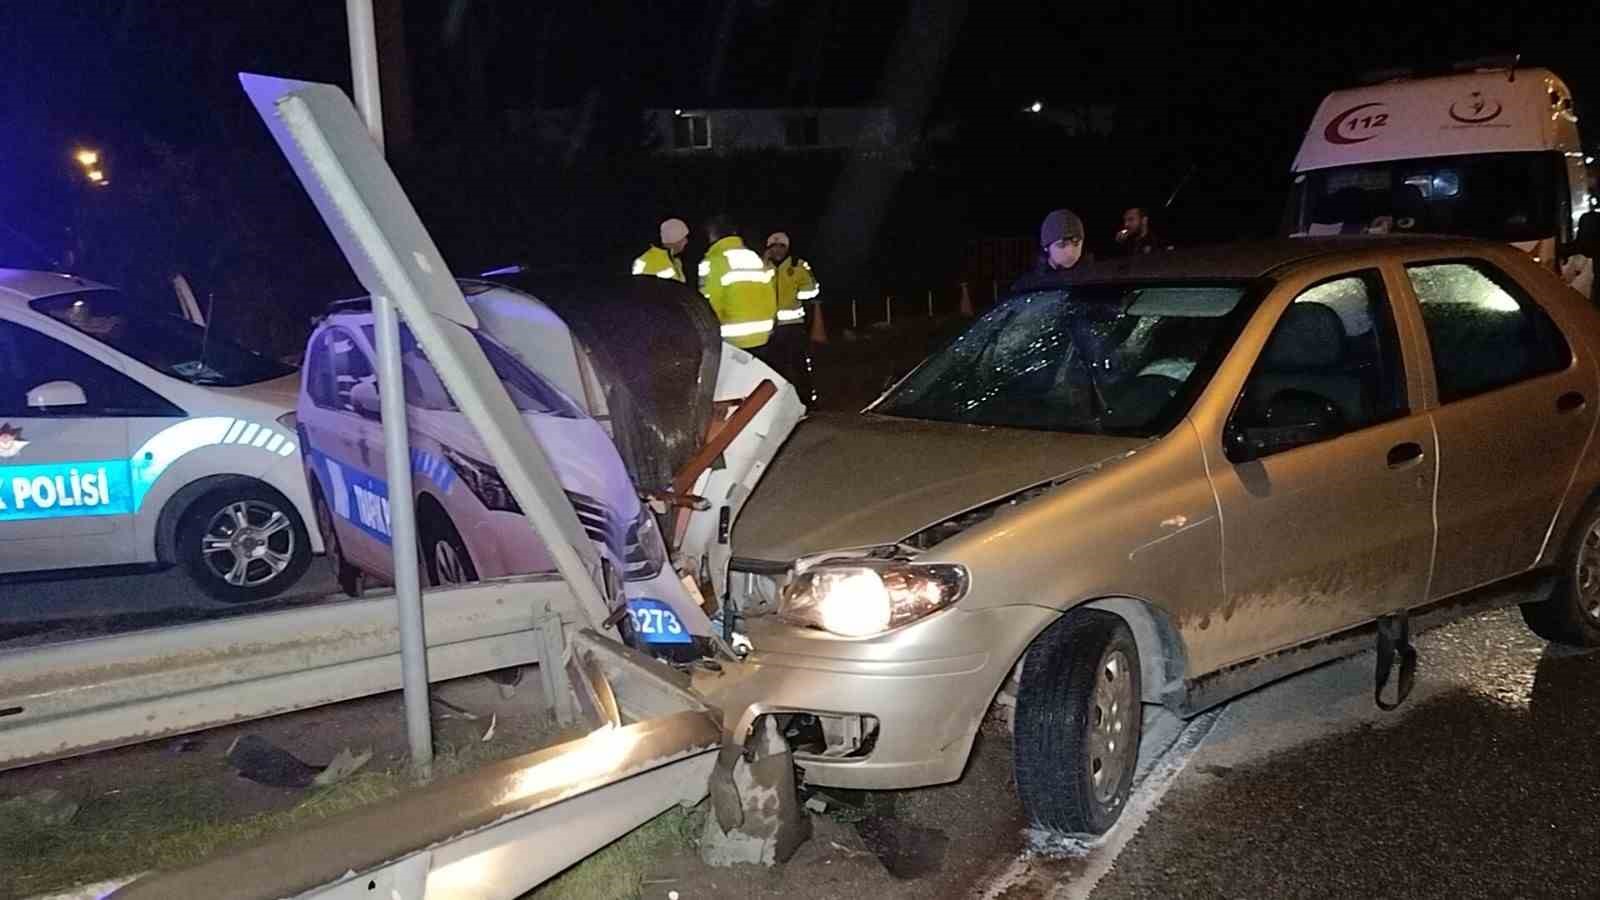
<point>501,830</point>
<point>77,697</point>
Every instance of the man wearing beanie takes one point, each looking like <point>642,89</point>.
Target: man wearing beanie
<point>1060,248</point>
<point>661,261</point>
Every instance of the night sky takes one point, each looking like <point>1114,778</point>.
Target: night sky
<point>1232,85</point>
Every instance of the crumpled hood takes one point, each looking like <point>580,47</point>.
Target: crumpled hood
<point>846,481</point>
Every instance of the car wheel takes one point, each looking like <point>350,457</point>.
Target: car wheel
<point>350,578</point>
<point>243,542</point>
<point>444,554</point>
<point>1571,614</point>
<point>1078,723</point>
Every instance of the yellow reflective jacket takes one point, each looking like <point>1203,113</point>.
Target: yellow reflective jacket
<point>796,285</point>
<point>659,263</point>
<point>739,286</point>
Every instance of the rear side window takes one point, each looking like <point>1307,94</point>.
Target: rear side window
<point>1484,331</point>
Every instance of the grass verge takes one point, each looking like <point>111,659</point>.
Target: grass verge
<point>171,825</point>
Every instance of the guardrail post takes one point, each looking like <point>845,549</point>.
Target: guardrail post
<point>552,668</point>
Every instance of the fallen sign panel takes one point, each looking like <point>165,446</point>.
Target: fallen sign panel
<point>77,697</point>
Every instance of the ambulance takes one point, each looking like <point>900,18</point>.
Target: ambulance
<point>1487,151</point>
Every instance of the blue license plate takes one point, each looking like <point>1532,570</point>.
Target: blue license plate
<point>656,623</point>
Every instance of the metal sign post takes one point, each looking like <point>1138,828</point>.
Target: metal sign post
<point>396,445</point>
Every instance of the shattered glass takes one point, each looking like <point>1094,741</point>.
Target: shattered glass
<point>1103,359</point>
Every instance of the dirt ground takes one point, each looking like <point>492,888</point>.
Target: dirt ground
<point>173,801</point>
<point>949,839</point>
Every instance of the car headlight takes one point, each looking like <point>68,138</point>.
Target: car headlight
<point>484,481</point>
<point>289,420</point>
<point>646,553</point>
<point>865,597</point>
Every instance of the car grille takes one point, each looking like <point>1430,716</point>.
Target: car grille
<point>598,522</point>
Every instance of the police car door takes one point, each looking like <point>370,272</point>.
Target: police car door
<point>348,438</point>
<point>65,493</point>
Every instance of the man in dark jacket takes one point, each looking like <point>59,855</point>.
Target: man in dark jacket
<point>1137,236</point>
<point>1060,249</point>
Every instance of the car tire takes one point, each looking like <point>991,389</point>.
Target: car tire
<point>351,580</point>
<point>1571,614</point>
<point>444,554</point>
<point>1078,723</point>
<point>243,542</point>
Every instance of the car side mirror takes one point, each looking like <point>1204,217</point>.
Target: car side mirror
<point>54,394</point>
<point>364,398</point>
<point>1293,419</point>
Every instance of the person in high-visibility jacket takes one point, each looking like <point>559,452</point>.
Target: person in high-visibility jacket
<point>795,285</point>
<point>661,261</point>
<point>739,285</point>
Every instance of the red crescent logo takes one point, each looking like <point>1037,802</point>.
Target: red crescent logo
<point>1332,131</point>
<point>1480,110</point>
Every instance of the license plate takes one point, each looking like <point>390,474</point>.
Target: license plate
<point>656,623</point>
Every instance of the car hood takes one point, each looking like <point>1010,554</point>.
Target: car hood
<point>846,481</point>
<point>279,392</point>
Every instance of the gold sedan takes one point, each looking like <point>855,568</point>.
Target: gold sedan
<point>1160,483</point>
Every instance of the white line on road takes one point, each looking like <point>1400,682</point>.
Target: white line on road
<point>1085,862</point>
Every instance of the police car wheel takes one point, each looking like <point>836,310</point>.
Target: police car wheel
<point>243,542</point>
<point>351,580</point>
<point>444,553</point>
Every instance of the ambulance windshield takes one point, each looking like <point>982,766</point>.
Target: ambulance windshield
<point>1498,196</point>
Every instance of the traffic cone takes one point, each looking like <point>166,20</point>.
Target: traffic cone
<point>819,331</point>
<point>966,302</point>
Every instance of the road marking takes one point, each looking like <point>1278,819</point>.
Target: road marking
<point>1067,867</point>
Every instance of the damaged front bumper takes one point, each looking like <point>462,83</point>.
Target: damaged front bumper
<point>896,711</point>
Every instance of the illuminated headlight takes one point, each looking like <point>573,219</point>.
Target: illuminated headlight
<point>646,554</point>
<point>866,597</point>
<point>484,481</point>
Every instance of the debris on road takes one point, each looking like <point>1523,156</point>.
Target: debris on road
<point>756,818</point>
<point>494,719</point>
<point>258,759</point>
<point>344,765</point>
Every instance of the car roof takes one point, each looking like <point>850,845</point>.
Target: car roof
<point>1254,259</point>
<point>19,286</point>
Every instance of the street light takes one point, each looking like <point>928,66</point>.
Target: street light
<point>86,157</point>
<point>1036,106</point>
<point>96,176</point>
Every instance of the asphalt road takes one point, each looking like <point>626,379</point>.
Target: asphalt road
<point>69,606</point>
<point>1485,784</point>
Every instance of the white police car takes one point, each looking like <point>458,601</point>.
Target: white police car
<point>128,437</point>
<point>469,525</point>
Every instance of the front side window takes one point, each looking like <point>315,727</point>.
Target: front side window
<point>1484,332</point>
<point>1124,358</point>
<point>350,368</point>
<point>318,375</point>
<point>1331,366</point>
<point>29,359</point>
<point>168,344</point>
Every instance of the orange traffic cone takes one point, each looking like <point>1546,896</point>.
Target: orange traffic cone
<point>966,302</point>
<point>819,331</point>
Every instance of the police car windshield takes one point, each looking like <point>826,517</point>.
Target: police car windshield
<point>1124,359</point>
<point>425,390</point>
<point>166,343</point>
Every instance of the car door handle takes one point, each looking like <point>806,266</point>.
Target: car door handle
<point>1402,454</point>
<point>1571,401</point>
